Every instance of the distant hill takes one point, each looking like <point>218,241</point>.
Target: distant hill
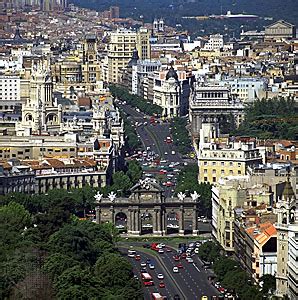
<point>173,10</point>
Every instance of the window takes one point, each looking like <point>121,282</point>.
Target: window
<point>222,172</point>
<point>214,179</point>
<point>231,172</point>
<point>222,163</point>
<point>231,163</point>
<point>213,171</point>
<point>205,163</point>
<point>205,171</point>
<point>205,179</point>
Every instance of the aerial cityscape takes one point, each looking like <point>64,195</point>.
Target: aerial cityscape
<point>148,149</point>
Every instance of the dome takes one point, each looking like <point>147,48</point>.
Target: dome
<point>172,74</point>
<point>134,58</point>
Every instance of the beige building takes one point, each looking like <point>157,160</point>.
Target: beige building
<point>120,49</point>
<point>221,156</point>
<point>228,194</point>
<point>280,30</point>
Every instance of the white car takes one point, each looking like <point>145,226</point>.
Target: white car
<point>143,264</point>
<point>189,259</point>
<point>161,251</point>
<point>151,266</point>
<point>162,245</point>
<point>160,276</point>
<point>175,270</point>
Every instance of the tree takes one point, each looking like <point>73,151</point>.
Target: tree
<point>57,263</point>
<point>269,283</point>
<point>224,265</point>
<point>121,182</point>
<point>134,171</point>
<point>78,283</point>
<point>117,276</point>
<point>209,251</point>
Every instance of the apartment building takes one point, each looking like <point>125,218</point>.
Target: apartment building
<point>228,194</point>
<point>222,156</point>
<point>120,49</point>
<point>10,94</point>
<point>255,245</point>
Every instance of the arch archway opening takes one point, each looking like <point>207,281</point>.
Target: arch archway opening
<point>172,223</point>
<point>146,223</point>
<point>121,221</point>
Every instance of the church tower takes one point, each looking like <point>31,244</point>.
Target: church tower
<point>286,217</point>
<point>40,112</point>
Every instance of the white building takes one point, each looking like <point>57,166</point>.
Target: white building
<point>215,42</point>
<point>172,91</point>
<point>246,89</point>
<point>10,94</point>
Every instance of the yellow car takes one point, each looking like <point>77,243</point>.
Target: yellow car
<point>204,298</point>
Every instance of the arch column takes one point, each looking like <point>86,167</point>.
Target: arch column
<point>98,215</point>
<point>157,222</point>
<point>137,222</point>
<point>181,221</point>
<point>195,230</point>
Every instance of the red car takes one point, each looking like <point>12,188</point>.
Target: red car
<point>148,283</point>
<point>180,266</point>
<point>162,285</point>
<point>168,249</point>
<point>183,255</point>
<point>176,258</point>
<point>137,257</point>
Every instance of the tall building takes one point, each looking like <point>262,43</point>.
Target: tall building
<point>220,156</point>
<point>10,95</point>
<point>40,112</point>
<point>172,90</point>
<point>210,103</point>
<point>120,50</point>
<point>287,244</point>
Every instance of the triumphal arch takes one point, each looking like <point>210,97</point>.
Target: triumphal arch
<point>148,211</point>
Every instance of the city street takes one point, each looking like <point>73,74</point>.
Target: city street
<point>191,282</point>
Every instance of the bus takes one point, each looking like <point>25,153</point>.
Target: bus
<point>147,279</point>
<point>156,296</point>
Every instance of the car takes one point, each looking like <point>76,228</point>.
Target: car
<point>162,285</point>
<point>173,152</point>
<point>160,276</point>
<point>143,270</point>
<point>180,266</point>
<point>137,257</point>
<point>161,251</point>
<point>168,249</point>
<point>189,259</point>
<point>146,246</point>
<point>166,153</point>
<point>143,264</point>
<point>204,297</point>
<point>162,245</point>
<point>151,266</point>
<point>175,270</point>
<point>148,261</point>
<point>176,258</point>
<point>183,255</point>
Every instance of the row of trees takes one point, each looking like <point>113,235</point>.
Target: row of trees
<point>134,100</point>
<point>131,138</point>
<point>232,276</point>
<point>188,182</point>
<point>52,255</point>
<point>181,135</point>
<point>272,118</point>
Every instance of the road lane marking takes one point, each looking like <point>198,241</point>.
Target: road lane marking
<point>196,267</point>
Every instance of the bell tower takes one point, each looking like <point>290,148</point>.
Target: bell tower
<point>286,216</point>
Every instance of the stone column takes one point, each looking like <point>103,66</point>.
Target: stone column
<point>195,230</point>
<point>181,222</point>
<point>129,222</point>
<point>137,222</point>
<point>163,222</point>
<point>156,222</point>
<point>97,214</point>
